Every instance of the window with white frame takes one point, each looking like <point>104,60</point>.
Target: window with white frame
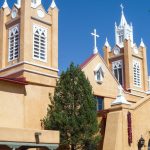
<point>39,43</point>
<point>137,73</point>
<point>14,43</point>
<point>99,73</point>
<point>117,67</point>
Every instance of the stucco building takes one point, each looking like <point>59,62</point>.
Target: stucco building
<point>28,73</point>
<point>120,83</point>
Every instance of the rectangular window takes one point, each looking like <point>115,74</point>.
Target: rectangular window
<point>121,38</point>
<point>14,43</point>
<point>100,103</point>
<point>39,43</point>
<point>117,67</point>
<point>137,73</point>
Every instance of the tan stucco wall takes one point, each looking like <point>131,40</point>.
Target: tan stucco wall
<point>105,89</point>
<point>11,105</point>
<point>36,105</point>
<point>23,106</point>
<point>116,135</point>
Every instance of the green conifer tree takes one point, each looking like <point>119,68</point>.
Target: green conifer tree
<point>73,111</point>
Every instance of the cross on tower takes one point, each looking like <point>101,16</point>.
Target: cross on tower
<point>95,41</point>
<point>122,7</point>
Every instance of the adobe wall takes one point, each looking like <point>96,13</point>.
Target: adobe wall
<point>23,106</point>
<point>116,135</point>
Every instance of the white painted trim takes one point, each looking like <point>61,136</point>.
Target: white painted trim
<point>14,65</point>
<point>29,63</point>
<point>136,90</point>
<point>135,95</point>
<point>46,42</point>
<point>113,64</point>
<point>17,26</point>
<point>41,66</point>
<point>135,78</point>
<point>40,73</point>
<point>31,71</point>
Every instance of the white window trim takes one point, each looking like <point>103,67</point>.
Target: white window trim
<point>114,64</point>
<point>17,25</point>
<point>97,68</point>
<point>137,62</point>
<point>35,25</point>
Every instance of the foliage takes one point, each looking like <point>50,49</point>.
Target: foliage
<point>73,111</point>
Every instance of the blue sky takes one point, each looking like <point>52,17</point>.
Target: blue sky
<point>78,18</point>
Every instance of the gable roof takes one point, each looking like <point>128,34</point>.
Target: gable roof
<point>88,60</point>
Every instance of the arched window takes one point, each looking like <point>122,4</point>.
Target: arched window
<point>14,43</point>
<point>99,73</point>
<point>117,67</point>
<point>39,43</point>
<point>137,73</point>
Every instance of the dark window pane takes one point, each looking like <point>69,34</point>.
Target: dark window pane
<point>100,103</point>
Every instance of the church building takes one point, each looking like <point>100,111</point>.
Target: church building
<point>28,74</point>
<point>29,71</point>
<point>121,85</point>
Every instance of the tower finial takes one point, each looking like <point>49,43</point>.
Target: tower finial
<point>142,43</point>
<point>18,4</point>
<point>122,7</point>
<point>106,43</point>
<point>123,21</point>
<point>5,4</point>
<point>95,50</point>
<point>53,4</point>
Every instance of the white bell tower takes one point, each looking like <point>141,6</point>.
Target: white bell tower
<point>123,31</point>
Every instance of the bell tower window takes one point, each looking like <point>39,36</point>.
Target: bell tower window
<point>39,43</point>
<point>117,67</point>
<point>34,1</point>
<point>14,43</point>
<point>137,73</point>
<point>121,37</point>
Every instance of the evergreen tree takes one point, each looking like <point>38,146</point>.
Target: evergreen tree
<point>73,111</point>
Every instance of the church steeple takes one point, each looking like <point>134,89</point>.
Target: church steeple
<point>123,20</point>
<point>123,31</point>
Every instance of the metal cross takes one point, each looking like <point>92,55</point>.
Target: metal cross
<point>122,7</point>
<point>95,41</point>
